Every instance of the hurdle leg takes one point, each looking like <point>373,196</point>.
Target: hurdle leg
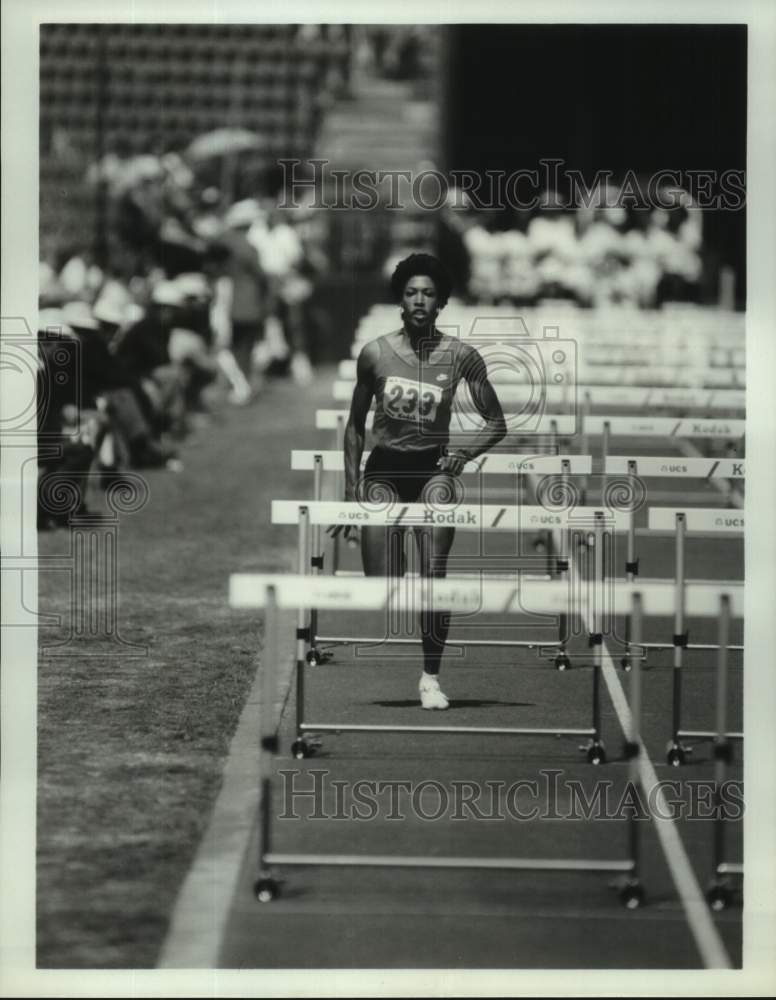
<point>587,407</point>
<point>677,753</point>
<point>562,661</point>
<point>632,893</point>
<point>631,565</point>
<point>265,887</point>
<point>339,486</point>
<point>302,747</point>
<point>554,438</point>
<point>719,893</point>
<point>560,570</point>
<point>596,752</point>
<point>314,655</point>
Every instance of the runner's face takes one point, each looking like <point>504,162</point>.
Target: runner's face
<point>419,302</point>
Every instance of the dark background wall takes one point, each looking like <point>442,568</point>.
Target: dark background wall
<point>616,97</point>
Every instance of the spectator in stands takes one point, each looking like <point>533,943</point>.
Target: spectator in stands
<point>66,430</point>
<point>105,381</point>
<point>678,259</point>
<point>248,292</point>
<point>144,351</point>
<point>80,277</point>
<point>552,242</point>
<point>282,259</point>
<point>191,341</point>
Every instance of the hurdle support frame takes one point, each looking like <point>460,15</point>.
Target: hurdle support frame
<point>676,749</point>
<point>557,565</point>
<point>267,887</point>
<point>305,744</point>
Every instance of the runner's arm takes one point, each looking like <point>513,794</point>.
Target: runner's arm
<point>475,374</point>
<point>355,430</point>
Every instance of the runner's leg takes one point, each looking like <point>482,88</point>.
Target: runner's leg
<point>382,549</point>
<point>433,545</point>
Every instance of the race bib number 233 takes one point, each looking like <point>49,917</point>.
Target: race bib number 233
<point>404,399</point>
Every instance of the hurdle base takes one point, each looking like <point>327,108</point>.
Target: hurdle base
<point>703,734</point>
<point>352,640</point>
<point>309,727</point>
<point>708,646</point>
<point>625,867</point>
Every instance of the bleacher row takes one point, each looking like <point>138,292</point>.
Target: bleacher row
<point>140,88</point>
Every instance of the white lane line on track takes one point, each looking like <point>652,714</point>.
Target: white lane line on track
<point>707,938</point>
<point>706,935</point>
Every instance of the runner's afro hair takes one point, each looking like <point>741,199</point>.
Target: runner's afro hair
<point>421,263</point>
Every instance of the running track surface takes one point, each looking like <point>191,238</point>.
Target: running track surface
<point>368,918</point>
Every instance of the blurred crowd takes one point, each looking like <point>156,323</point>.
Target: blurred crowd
<point>204,298</point>
<point>594,255</point>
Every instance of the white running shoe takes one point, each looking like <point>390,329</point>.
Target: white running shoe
<point>430,694</point>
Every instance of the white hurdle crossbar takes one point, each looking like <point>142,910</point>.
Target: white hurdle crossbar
<point>546,423</point>
<point>274,591</point>
<point>493,463</point>
<point>678,429</point>
<point>465,517</point>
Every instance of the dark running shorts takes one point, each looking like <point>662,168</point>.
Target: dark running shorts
<point>404,474</point>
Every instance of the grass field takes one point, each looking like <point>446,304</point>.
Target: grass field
<point>130,748</point>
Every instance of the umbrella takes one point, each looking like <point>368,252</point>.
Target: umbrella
<point>223,142</point>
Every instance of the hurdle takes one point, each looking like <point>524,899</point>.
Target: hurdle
<point>679,523</point>
<point>273,592</point>
<point>493,463</point>
<point>719,471</point>
<point>671,428</point>
<point>547,423</point>
<point>595,525</point>
<point>711,401</point>
<point>519,466</point>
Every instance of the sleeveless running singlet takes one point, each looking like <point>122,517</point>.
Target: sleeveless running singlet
<point>414,396</point>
